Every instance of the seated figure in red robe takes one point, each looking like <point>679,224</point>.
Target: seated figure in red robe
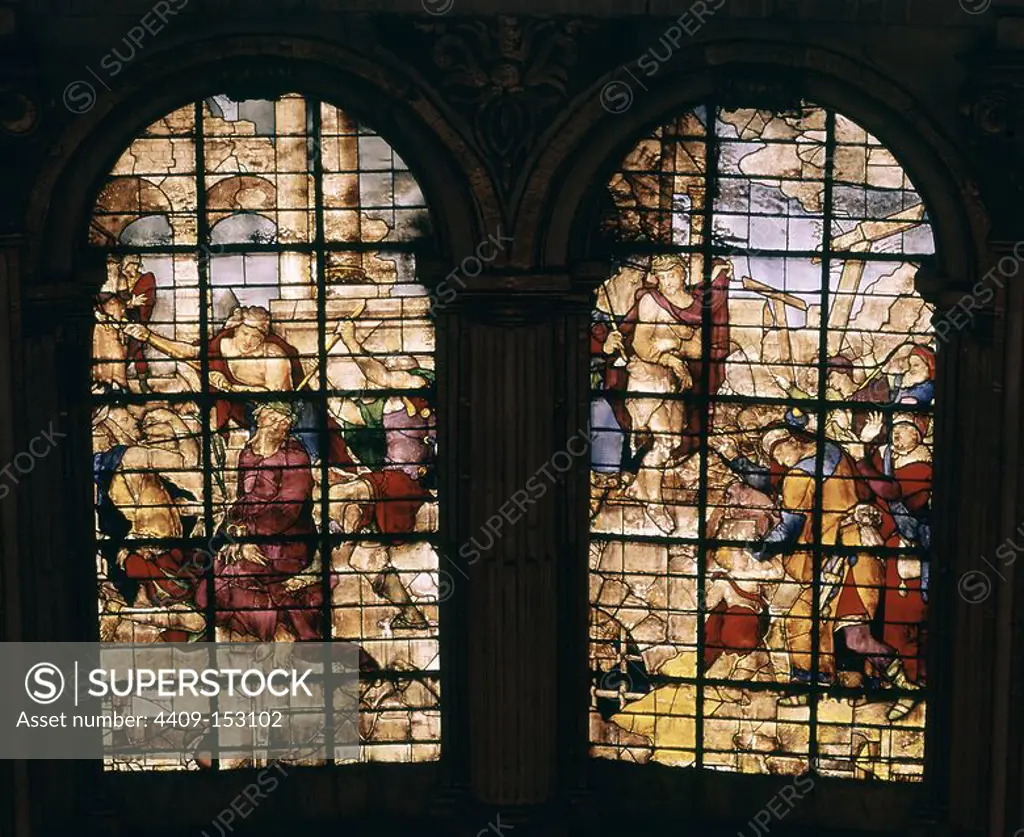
<point>260,590</point>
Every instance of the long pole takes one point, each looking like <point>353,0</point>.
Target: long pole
<point>613,322</point>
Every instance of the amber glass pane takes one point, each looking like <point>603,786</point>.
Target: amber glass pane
<point>762,458</point>
<point>263,401</point>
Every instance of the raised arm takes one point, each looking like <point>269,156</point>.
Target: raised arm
<point>373,369</point>
<point>172,348</point>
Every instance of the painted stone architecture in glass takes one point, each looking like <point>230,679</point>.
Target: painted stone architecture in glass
<point>262,388</point>
<point>763,381</point>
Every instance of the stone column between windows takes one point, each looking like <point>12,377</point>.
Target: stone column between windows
<point>1000,327</point>
<point>54,501</point>
<point>521,442</point>
<point>1007,723</point>
<point>964,650</point>
<point>15,809</point>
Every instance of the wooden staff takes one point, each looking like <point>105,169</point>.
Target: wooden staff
<point>335,339</point>
<point>622,359</point>
<point>316,366</point>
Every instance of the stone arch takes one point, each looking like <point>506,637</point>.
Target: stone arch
<point>447,169</point>
<point>586,146</point>
<point>251,192</point>
<point>136,191</point>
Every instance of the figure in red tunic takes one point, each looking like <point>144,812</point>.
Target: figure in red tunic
<point>247,356</point>
<point>122,302</point>
<point>395,442</point>
<point>901,478</point>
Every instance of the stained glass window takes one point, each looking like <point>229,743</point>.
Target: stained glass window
<point>763,379</point>
<point>263,401</point>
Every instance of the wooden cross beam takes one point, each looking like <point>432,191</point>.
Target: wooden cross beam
<point>859,240</point>
<point>779,301</point>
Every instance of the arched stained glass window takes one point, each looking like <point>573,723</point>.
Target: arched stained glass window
<point>763,377</point>
<point>263,389</point>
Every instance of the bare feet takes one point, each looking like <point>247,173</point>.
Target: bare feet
<point>661,518</point>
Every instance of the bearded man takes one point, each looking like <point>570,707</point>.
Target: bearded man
<point>259,592</point>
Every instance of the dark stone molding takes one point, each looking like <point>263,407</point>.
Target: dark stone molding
<point>503,77</point>
<point>510,107</point>
<point>512,297</point>
<point>888,13</point>
<point>992,106</point>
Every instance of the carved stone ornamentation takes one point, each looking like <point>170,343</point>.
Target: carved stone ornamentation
<point>24,107</point>
<point>19,112</point>
<point>991,113</point>
<point>508,76</point>
<point>993,105</point>
<point>19,100</point>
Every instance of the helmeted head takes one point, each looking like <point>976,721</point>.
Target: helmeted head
<point>131,267</point>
